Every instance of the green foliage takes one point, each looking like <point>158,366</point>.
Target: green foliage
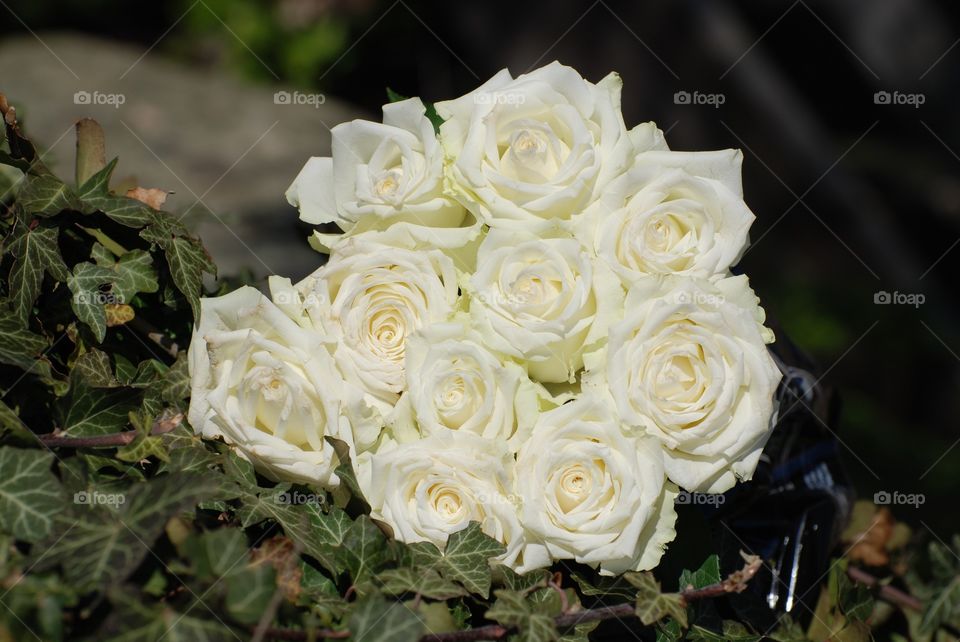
<point>118,523</point>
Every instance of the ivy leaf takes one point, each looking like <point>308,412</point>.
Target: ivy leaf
<point>90,411</point>
<point>249,591</point>
<point>136,620</point>
<point>364,549</point>
<point>175,386</point>
<point>99,183</point>
<point>19,346</point>
<point>46,195</point>
<point>941,607</point>
<point>94,368</point>
<point>376,620</point>
<point>508,578</point>
<point>12,426</point>
<point>88,300</point>
<point>652,605</point>
<point>732,632</point>
<point>466,558</point>
<point>188,261</point>
<point>35,252</point>
<point>134,272</point>
<point>512,610</point>
<point>98,545</point>
<point>707,574</point>
<point>425,582</point>
<point>143,447</point>
<point>601,586</point>
<point>30,495</point>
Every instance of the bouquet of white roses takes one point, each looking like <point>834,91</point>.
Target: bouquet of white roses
<point>527,321</point>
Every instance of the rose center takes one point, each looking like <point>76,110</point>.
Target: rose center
<point>446,502</point>
<point>388,183</point>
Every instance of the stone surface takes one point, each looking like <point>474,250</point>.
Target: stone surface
<point>225,148</point>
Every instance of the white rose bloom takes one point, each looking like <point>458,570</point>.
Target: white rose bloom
<point>429,489</point>
<point>539,146</point>
<point>592,493</point>
<point>689,364</point>
<point>654,220</point>
<point>270,389</point>
<point>454,383</point>
<point>368,299</point>
<point>385,179</point>
<point>542,301</point>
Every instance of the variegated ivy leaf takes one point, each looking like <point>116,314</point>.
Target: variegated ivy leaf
<point>30,495</point>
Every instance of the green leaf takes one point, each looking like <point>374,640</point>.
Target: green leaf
<point>18,346</point>
<point>425,582</point>
<point>652,605</point>
<point>602,586</point>
<point>941,607</point>
<point>46,195</point>
<point>249,591</point>
<point>90,411</point>
<point>94,368</point>
<point>788,631</point>
<point>466,558</point>
<point>143,447</point>
<point>30,495</point>
<point>377,620</point>
<point>188,261</point>
<point>732,632</point>
<point>364,549</point>
<point>513,610</point>
<point>99,183</point>
<point>12,426</point>
<point>99,545</point>
<point>176,381</point>
<point>707,574</point>
<point>35,251</point>
<point>509,579</point>
<point>135,619</point>
<point>134,272</point>
<point>88,299</point>
<point>669,631</point>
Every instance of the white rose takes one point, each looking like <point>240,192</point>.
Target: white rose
<point>385,179</point>
<point>689,364</point>
<point>541,300</point>
<point>429,489</point>
<point>269,388</point>
<point>592,493</point>
<point>657,220</point>
<point>539,146</point>
<point>455,383</point>
<point>368,299</point>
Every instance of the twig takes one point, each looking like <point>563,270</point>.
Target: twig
<point>270,612</point>
<point>56,439</point>
<point>889,593</point>
<point>735,583</point>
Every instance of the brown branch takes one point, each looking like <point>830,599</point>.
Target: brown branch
<point>57,439</point>
<point>735,583</point>
<point>887,593</point>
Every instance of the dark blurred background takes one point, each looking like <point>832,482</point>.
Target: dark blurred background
<point>856,192</point>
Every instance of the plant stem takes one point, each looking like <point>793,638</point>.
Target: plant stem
<point>58,440</point>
